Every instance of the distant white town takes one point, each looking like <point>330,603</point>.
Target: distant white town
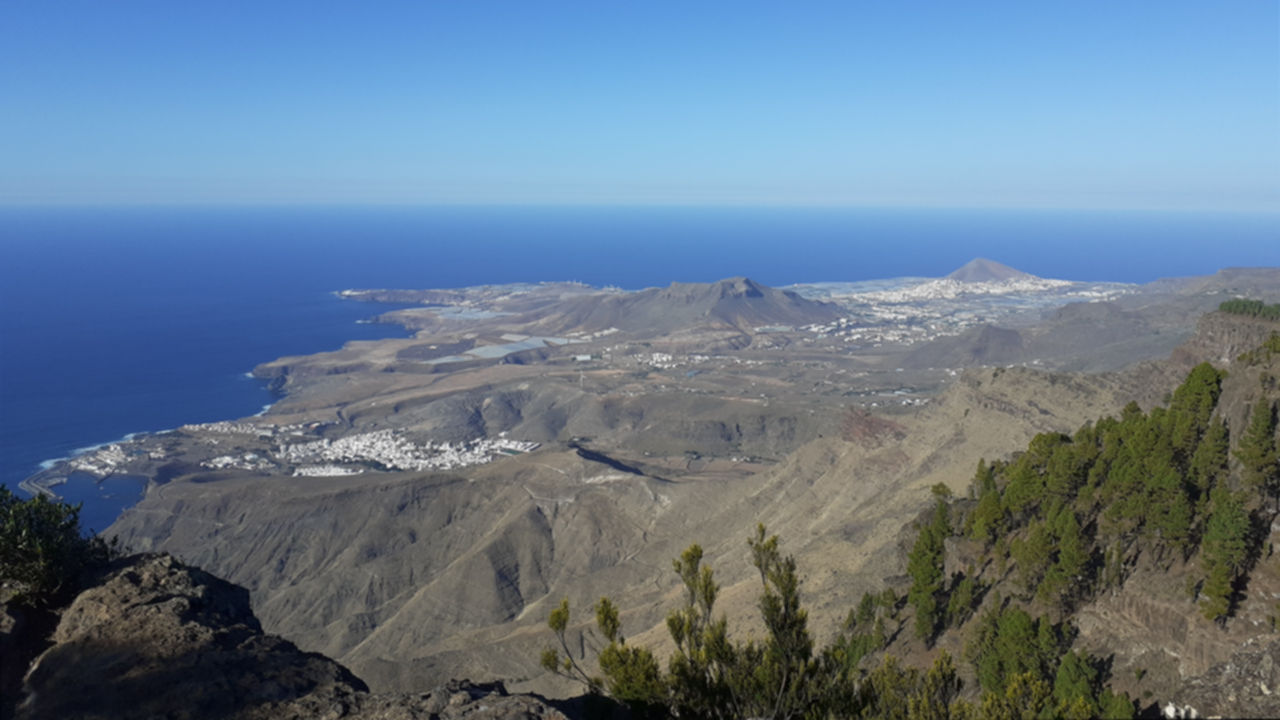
<point>382,450</point>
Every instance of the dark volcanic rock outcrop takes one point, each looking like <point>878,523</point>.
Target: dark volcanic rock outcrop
<point>161,639</point>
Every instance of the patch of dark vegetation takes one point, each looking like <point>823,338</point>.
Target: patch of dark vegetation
<point>45,560</point>
<point>1251,308</point>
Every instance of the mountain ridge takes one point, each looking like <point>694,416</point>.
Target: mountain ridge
<point>739,304</point>
<point>982,270</point>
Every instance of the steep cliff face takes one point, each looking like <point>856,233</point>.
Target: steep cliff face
<point>157,638</point>
<point>1221,337</point>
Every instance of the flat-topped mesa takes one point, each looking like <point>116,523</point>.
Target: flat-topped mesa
<point>982,270</point>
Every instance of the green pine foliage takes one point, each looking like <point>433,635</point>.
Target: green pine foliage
<point>1022,663</point>
<point>560,661</point>
<point>631,673</point>
<point>1076,687</point>
<point>1033,553</point>
<point>785,678</point>
<point>708,676</point>
<point>1192,407</point>
<point>1226,552</point>
<point>700,672</point>
<point>963,597</point>
<point>925,566</point>
<point>905,693</point>
<point>986,523</point>
<point>864,632</point>
<point>1116,706</point>
<point>1074,511</point>
<point>1027,696</point>
<point>1257,451</point>
<point>1062,582</point>
<point>1209,463</point>
<point>42,551</point>
<point>1008,642</point>
<point>1251,308</point>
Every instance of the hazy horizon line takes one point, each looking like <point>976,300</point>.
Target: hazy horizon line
<point>408,205</point>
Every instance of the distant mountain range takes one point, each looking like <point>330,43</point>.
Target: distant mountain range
<point>735,303</point>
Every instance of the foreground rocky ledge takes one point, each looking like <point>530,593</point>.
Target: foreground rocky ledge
<point>157,638</point>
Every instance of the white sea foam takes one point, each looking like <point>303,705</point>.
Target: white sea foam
<point>77,452</point>
<point>92,448</point>
<point>48,464</point>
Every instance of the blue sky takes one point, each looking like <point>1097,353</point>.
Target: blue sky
<point>976,104</point>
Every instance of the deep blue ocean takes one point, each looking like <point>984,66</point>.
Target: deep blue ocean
<point>120,320</point>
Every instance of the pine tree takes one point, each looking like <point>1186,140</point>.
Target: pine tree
<point>787,678</point>
<point>925,564</point>
<point>1257,450</point>
<point>564,665</point>
<point>1209,462</point>
<point>1168,512</point>
<point>1033,555</point>
<point>702,665</point>
<point>1076,681</point>
<point>1115,706</point>
<point>866,611</point>
<point>986,522</point>
<point>1217,591</point>
<point>935,695</point>
<point>1225,551</point>
<point>1062,583</point>
<point>983,480</point>
<point>631,674</point>
<point>1072,554</point>
<point>1026,696</point>
<point>1192,406</point>
<point>960,606</point>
